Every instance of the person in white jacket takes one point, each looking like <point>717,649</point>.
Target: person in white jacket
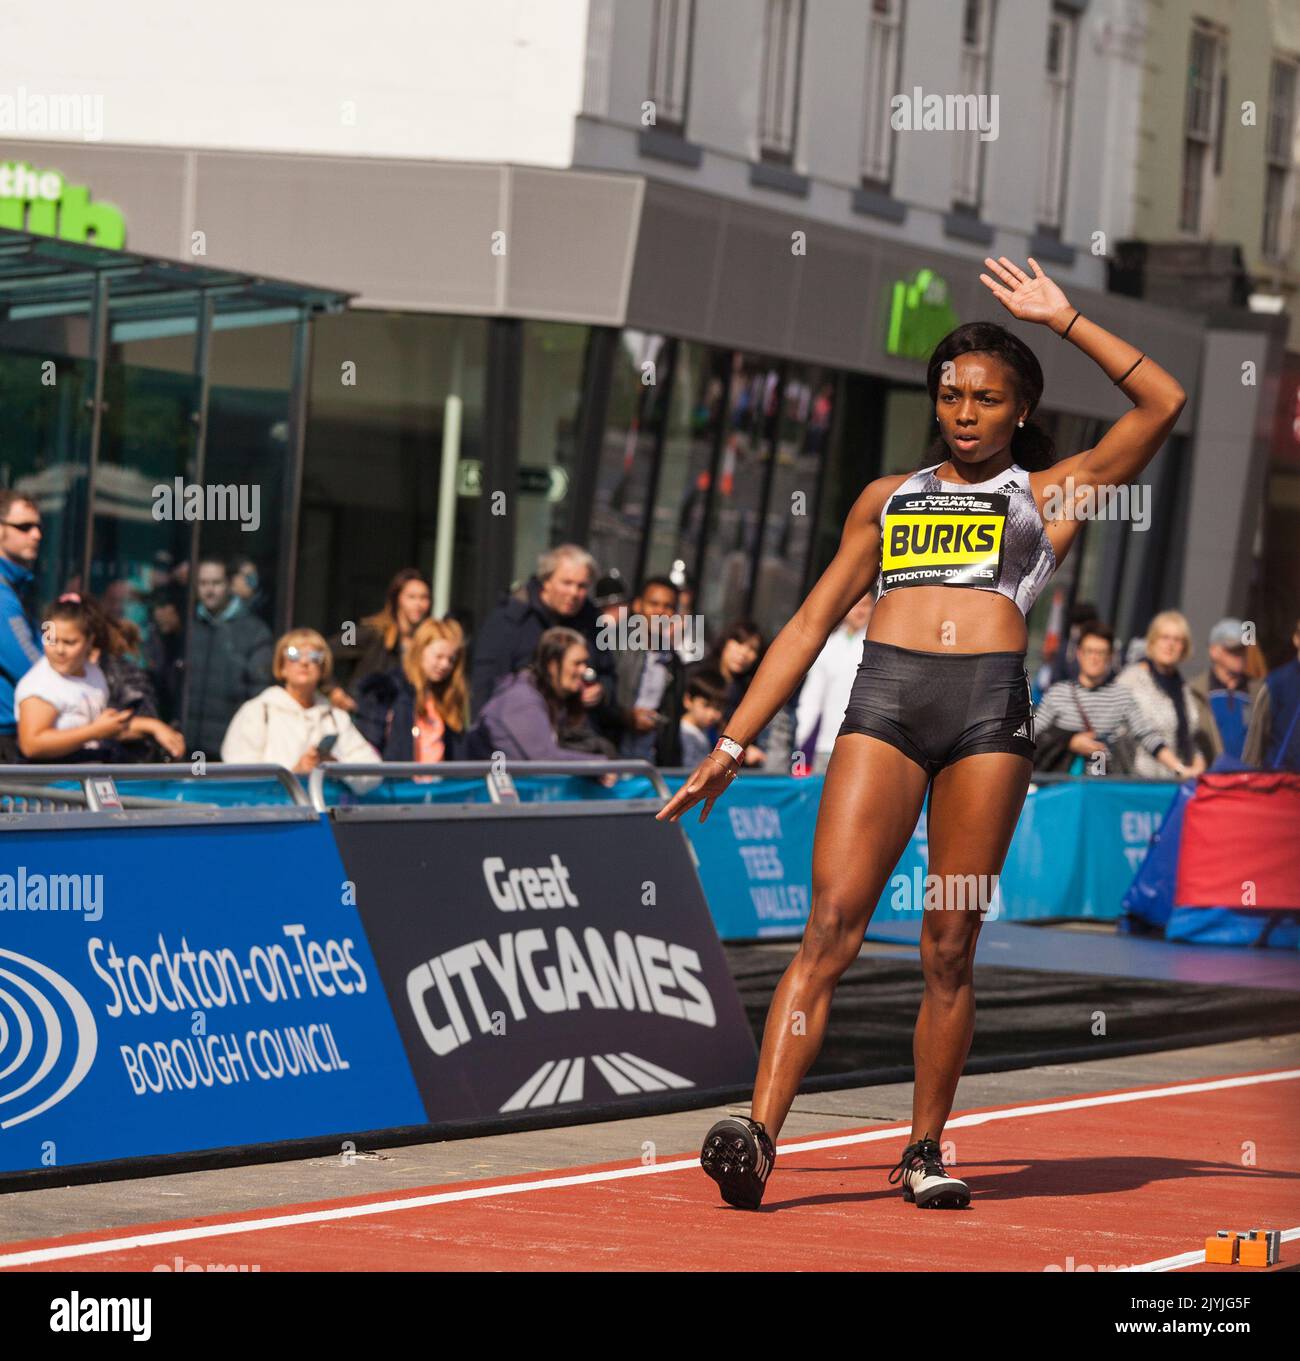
<point>288,723</point>
<point>1165,700</point>
<point>824,695</point>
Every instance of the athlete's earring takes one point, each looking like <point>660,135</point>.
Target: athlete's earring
<point>1021,424</point>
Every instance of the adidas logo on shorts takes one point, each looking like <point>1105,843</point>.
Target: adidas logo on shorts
<point>1022,730</point>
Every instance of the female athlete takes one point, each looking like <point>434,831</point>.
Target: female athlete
<point>958,552</point>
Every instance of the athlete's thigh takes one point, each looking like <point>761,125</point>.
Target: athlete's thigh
<point>871,800</point>
<point>974,806</point>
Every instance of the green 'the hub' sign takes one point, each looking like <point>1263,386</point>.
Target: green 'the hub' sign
<point>44,203</point>
<point>919,316</point>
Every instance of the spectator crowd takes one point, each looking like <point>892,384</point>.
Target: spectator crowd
<point>566,668</point>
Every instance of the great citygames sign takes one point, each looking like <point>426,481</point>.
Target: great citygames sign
<point>920,315</point>
<point>44,203</point>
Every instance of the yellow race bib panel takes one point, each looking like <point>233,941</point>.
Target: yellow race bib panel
<point>943,539</point>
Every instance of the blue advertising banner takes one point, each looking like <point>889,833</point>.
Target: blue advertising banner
<point>167,989</point>
<point>755,855</point>
<point>1076,848</point>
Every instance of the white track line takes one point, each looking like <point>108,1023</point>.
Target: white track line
<point>61,1252</point>
<point>1192,1258</point>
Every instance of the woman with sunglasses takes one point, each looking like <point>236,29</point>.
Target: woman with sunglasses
<point>292,723</point>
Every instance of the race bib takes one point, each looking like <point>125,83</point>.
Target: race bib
<point>943,539</point>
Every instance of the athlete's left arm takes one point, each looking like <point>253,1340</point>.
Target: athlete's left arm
<point>1157,396</point>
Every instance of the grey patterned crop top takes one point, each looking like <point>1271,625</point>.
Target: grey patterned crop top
<point>987,536</point>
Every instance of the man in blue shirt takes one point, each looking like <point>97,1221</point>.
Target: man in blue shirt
<point>1224,693</point>
<point>20,650</point>
<point>1273,739</point>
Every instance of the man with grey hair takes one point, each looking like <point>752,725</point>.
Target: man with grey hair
<point>559,593</point>
<point>1224,693</point>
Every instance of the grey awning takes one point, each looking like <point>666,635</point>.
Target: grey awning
<point>41,276</point>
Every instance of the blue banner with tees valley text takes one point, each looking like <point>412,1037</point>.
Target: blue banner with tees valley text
<point>1075,850</point>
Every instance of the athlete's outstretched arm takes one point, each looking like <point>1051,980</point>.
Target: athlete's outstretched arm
<point>1157,397</point>
<point>795,648</point>
<point>844,582</point>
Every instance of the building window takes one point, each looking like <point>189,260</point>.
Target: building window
<point>692,437</point>
<point>1202,130</point>
<point>637,419</point>
<point>884,45</point>
<point>600,42</point>
<point>554,367</point>
<point>779,96</point>
<point>670,62</point>
<point>1062,30</point>
<point>973,82</point>
<point>732,526</point>
<point>373,462</point>
<point>800,444</point>
<point>1279,183</point>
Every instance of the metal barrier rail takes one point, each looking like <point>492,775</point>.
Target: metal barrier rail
<point>32,798</point>
<point>19,798</point>
<point>29,785</point>
<point>26,789</point>
<point>1038,777</point>
<point>496,777</point>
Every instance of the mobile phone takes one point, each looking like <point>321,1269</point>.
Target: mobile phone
<point>133,704</point>
<point>326,745</point>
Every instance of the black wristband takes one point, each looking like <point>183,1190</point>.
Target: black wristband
<point>1073,319</point>
<point>1136,362</point>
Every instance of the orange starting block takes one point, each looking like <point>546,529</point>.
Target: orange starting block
<point>1244,1247</point>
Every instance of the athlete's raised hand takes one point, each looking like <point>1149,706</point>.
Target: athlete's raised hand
<point>708,780</point>
<point>1036,299</point>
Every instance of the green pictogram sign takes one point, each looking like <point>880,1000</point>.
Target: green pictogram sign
<point>919,316</point>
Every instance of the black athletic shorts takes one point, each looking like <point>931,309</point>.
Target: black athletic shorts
<point>937,707</point>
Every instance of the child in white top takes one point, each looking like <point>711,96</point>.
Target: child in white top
<point>61,704</point>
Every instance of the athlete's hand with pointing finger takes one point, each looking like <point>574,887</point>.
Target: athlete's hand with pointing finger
<point>1036,299</point>
<point>708,780</point>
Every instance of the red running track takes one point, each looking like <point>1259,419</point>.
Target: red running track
<point>1137,1177</point>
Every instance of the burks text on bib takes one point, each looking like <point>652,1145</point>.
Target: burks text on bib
<point>943,539</point>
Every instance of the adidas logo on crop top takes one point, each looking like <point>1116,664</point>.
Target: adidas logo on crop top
<point>986,536</point>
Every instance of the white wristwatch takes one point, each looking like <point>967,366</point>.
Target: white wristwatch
<point>732,749</point>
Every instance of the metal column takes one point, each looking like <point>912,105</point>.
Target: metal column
<point>98,354</point>
<point>299,384</point>
<point>198,459</point>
